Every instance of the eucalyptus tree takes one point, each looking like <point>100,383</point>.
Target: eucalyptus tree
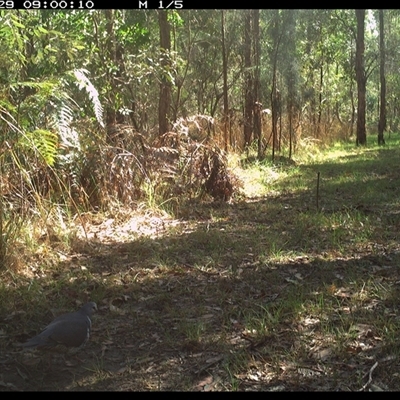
<point>257,105</point>
<point>248,88</point>
<point>360,77</point>
<point>324,47</point>
<point>291,73</point>
<point>209,69</point>
<point>200,70</point>
<point>276,36</point>
<point>382,110</point>
<point>225,82</point>
<point>392,61</point>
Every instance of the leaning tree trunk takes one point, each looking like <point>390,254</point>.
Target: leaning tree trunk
<point>361,78</point>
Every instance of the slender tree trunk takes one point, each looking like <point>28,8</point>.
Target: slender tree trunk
<point>279,108</point>
<point>274,91</point>
<point>248,101</point>
<point>353,108</point>
<point>321,87</point>
<point>225,78</point>
<point>361,79</point>
<point>382,111</point>
<point>165,85</point>
<point>274,113</point>
<point>257,106</point>
<point>291,75</point>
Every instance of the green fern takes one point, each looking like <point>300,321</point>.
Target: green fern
<point>84,83</point>
<point>64,119</point>
<point>46,87</point>
<point>44,142</point>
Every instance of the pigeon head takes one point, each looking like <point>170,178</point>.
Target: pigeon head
<point>89,308</point>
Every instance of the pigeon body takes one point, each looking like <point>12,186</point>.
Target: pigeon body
<point>67,330</point>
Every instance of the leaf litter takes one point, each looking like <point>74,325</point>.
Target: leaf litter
<point>226,302</point>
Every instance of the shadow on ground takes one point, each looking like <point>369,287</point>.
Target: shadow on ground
<point>220,304</point>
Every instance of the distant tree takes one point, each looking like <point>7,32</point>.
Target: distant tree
<point>361,78</point>
<point>248,90</point>
<point>275,94</point>
<point>257,106</point>
<point>382,110</point>
<point>291,73</point>
<point>225,82</point>
<point>392,61</point>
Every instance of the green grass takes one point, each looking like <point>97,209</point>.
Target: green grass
<point>268,291</point>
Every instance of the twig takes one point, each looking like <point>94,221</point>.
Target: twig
<point>369,377</point>
<point>215,360</point>
<point>199,269</point>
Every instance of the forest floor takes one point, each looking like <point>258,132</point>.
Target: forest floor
<point>270,292</point>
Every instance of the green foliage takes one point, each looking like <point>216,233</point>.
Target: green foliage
<point>315,63</point>
<point>84,83</point>
<point>44,141</point>
<point>76,87</point>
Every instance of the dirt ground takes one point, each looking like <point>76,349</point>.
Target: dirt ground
<point>177,302</point>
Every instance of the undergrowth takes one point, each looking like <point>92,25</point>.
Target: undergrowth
<point>272,290</point>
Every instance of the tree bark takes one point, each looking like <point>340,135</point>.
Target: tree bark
<point>361,78</point>
<point>257,106</point>
<point>248,101</point>
<point>382,111</point>
<point>225,79</point>
<point>275,96</point>
<point>291,75</point>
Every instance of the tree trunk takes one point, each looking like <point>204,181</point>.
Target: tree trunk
<point>275,100</point>
<point>382,111</point>
<point>361,79</point>
<point>165,84</point>
<point>291,74</point>
<point>248,101</point>
<point>257,106</point>
<point>321,86</point>
<point>225,78</point>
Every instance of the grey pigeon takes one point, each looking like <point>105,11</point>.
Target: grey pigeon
<point>67,330</point>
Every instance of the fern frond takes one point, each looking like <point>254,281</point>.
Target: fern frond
<point>65,116</point>
<point>45,143</point>
<point>46,87</point>
<point>84,83</point>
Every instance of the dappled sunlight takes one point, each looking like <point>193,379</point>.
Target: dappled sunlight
<point>245,290</point>
<point>223,184</point>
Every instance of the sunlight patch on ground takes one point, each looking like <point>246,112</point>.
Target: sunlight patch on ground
<point>256,182</point>
<point>137,225</point>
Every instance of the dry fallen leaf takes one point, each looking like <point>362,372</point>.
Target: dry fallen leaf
<point>206,381</point>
